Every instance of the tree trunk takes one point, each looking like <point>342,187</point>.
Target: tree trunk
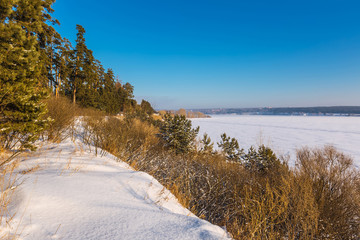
<point>74,96</point>
<point>58,85</point>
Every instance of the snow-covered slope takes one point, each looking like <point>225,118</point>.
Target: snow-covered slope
<point>70,193</point>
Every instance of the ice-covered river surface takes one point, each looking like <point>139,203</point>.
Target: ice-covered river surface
<point>285,134</point>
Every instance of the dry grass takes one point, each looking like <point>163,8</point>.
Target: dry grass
<point>8,179</point>
<point>62,112</point>
<point>127,139</point>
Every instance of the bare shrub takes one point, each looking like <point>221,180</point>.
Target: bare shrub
<point>127,139</point>
<point>334,181</point>
<point>62,112</point>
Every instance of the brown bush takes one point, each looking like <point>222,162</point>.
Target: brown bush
<point>126,139</point>
<point>335,186</point>
<point>62,112</point>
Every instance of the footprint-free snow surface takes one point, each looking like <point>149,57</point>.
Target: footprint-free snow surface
<point>285,134</point>
<point>70,193</point>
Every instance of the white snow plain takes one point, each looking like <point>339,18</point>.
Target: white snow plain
<point>285,134</point>
<point>70,193</point>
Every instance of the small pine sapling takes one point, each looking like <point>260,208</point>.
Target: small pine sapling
<point>260,160</point>
<point>207,146</point>
<point>230,148</point>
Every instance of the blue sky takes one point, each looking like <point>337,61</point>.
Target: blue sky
<point>207,53</point>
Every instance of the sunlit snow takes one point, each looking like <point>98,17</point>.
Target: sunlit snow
<point>70,193</point>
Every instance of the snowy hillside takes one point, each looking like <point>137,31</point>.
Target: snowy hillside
<point>70,193</point>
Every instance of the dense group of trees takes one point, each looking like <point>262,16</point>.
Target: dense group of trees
<point>69,70</point>
<point>76,73</point>
<point>35,61</point>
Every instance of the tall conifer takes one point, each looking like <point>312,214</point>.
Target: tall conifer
<point>20,90</point>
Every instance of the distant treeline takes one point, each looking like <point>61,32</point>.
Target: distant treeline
<point>186,113</point>
<point>337,110</point>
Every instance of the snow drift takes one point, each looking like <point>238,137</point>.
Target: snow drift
<point>70,193</point>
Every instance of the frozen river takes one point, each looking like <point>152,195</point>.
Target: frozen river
<point>285,134</point>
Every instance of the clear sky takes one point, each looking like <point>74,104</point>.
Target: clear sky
<point>222,53</point>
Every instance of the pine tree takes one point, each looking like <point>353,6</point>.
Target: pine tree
<point>124,96</point>
<point>146,107</point>
<point>178,134</point>
<point>61,65</point>
<point>84,80</point>
<point>230,148</point>
<point>20,89</point>
<point>34,16</point>
<point>76,78</point>
<point>207,145</point>
<point>109,93</point>
<point>260,160</point>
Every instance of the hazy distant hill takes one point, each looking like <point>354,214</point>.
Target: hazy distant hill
<point>338,110</point>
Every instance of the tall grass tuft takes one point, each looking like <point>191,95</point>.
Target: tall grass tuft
<point>8,178</point>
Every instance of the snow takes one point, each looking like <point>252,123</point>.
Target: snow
<point>285,134</point>
<point>70,193</point>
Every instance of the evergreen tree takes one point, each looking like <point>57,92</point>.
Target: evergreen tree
<point>124,96</point>
<point>34,16</point>
<point>77,78</point>
<point>207,145</point>
<point>230,148</point>
<point>20,89</point>
<point>260,160</point>
<point>62,70</point>
<point>178,134</point>
<point>108,93</point>
<point>146,107</point>
<point>84,80</point>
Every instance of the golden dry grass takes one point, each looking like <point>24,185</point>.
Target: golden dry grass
<point>62,112</point>
<point>8,178</point>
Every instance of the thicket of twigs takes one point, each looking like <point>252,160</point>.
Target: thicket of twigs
<point>62,113</point>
